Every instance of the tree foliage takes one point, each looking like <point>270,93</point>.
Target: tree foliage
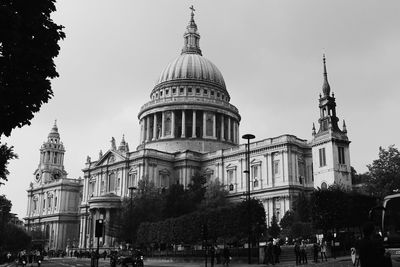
<point>384,173</point>
<point>28,44</point>
<point>214,196</point>
<point>12,237</point>
<point>274,230</point>
<point>6,153</point>
<point>337,208</point>
<point>223,223</point>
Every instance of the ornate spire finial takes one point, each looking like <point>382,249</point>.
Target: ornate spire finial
<point>325,87</point>
<point>313,129</point>
<point>344,127</point>
<point>191,36</point>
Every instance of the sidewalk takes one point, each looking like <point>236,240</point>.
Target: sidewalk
<point>159,262</point>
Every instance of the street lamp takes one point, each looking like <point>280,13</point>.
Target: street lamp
<point>248,137</point>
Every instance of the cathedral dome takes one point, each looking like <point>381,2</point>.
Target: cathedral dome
<point>192,66</point>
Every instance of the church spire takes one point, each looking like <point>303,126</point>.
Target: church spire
<point>326,89</point>
<point>191,37</point>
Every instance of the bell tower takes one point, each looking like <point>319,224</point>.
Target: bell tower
<point>330,144</point>
<point>51,165</point>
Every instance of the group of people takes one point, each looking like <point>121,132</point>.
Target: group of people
<point>300,250</point>
<point>217,257</point>
<point>272,251</point>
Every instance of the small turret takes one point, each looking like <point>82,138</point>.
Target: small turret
<point>344,128</point>
<point>123,147</point>
<point>313,129</point>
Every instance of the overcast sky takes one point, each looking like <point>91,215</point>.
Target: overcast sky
<point>269,52</point>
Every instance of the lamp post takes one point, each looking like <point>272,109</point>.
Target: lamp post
<point>248,137</point>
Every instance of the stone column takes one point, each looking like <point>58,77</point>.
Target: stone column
<point>154,126</point>
<point>214,126</point>
<point>172,123</point>
<point>204,124</point>
<point>162,124</point>
<point>229,129</point>
<point>194,124</point>
<point>222,128</point>
<point>148,128</point>
<point>107,229</point>
<point>183,135</point>
<point>141,131</point>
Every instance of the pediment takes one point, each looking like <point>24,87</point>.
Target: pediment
<point>109,157</point>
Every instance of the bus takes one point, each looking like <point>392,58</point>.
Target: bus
<point>390,226</point>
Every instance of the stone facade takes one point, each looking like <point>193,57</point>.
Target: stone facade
<point>53,199</point>
<point>189,126</point>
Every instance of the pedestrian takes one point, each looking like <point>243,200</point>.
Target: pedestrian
<point>277,250</point>
<point>212,255</point>
<point>269,252</point>
<point>303,252</point>
<point>227,256</point>
<point>371,248</point>
<point>297,252</point>
<point>323,250</point>
<point>316,251</point>
<point>218,255</point>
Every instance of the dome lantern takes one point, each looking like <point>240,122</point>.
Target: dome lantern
<point>191,37</point>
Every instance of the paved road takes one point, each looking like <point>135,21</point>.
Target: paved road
<point>73,262</point>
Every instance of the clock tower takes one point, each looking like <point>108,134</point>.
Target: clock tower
<point>51,165</point>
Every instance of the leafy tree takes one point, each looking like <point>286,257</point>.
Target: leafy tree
<point>302,208</point>
<point>6,153</point>
<point>274,230</point>
<point>329,208</point>
<point>214,196</point>
<point>5,208</point>
<point>384,173</point>
<point>197,189</point>
<point>146,206</point>
<point>28,44</point>
<point>288,219</point>
<point>176,202</point>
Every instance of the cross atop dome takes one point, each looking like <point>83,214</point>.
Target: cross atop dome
<point>191,36</point>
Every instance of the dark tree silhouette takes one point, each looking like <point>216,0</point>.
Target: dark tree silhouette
<point>384,173</point>
<point>28,44</point>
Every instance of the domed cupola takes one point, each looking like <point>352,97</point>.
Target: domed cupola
<point>189,104</point>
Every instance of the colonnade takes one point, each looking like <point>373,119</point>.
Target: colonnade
<point>189,124</point>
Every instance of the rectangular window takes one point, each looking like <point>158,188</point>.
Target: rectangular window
<point>181,90</point>
<point>55,202</point>
<point>173,90</point>
<point>322,158</point>
<point>276,167</point>
<point>341,155</point>
<point>205,92</point>
<point>197,90</point>
<point>167,92</point>
<point>44,203</point>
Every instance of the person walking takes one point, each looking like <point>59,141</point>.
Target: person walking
<point>371,248</point>
<point>303,252</point>
<point>323,250</point>
<point>269,252</point>
<point>297,252</point>
<point>227,256</point>
<point>316,251</point>
<point>212,255</point>
<point>277,250</point>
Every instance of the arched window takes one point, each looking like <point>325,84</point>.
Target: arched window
<point>324,186</point>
